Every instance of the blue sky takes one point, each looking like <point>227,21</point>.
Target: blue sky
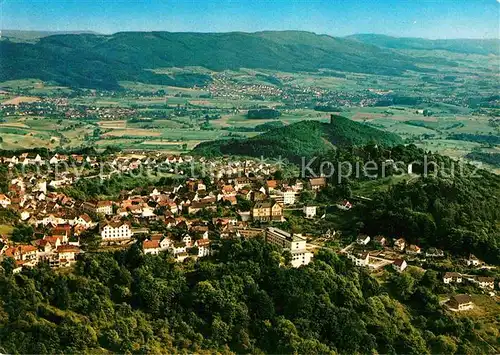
<point>415,18</point>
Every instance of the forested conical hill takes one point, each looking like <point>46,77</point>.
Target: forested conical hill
<point>302,139</point>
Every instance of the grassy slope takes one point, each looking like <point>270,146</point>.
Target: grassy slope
<point>302,139</point>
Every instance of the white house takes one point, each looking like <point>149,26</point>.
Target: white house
<point>66,255</point>
<point>309,211</point>
<point>178,248</point>
<point>84,220</point>
<point>344,205</point>
<point>187,240</point>
<point>155,246</point>
<point>363,240</point>
<point>104,207</point>
<point>399,265</point>
<point>485,282</point>
<point>400,244</point>
<point>413,249</point>
<point>473,261</point>
<point>54,160</point>
<point>451,277</point>
<point>203,247</point>
<point>362,259</point>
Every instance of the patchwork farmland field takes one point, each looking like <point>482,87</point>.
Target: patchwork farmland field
<point>163,117</point>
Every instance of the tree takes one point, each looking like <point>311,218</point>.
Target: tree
<point>8,264</point>
<point>22,233</point>
<point>402,285</point>
<point>443,344</point>
<point>306,197</point>
<point>243,203</point>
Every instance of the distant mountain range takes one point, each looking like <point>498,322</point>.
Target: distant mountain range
<point>466,46</point>
<point>101,61</point>
<point>31,36</point>
<point>301,139</point>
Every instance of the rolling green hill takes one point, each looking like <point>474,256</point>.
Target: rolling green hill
<point>302,139</point>
<point>467,46</point>
<point>100,61</point>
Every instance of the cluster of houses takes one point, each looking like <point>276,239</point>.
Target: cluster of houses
<point>485,282</point>
<point>54,248</point>
<point>32,158</point>
<point>60,221</point>
<point>362,258</point>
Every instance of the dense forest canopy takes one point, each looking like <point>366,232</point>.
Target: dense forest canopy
<point>241,300</point>
<point>101,61</point>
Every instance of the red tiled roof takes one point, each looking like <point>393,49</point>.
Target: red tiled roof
<point>150,244</point>
<point>67,248</point>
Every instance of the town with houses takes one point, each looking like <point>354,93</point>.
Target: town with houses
<point>188,218</point>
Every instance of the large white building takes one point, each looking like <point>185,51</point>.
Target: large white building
<point>116,231</point>
<point>293,242</point>
<point>288,197</point>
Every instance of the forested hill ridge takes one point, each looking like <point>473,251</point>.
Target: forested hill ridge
<point>466,46</point>
<point>302,139</point>
<point>101,61</point>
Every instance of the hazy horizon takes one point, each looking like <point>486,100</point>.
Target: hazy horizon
<point>269,30</point>
<point>459,19</point>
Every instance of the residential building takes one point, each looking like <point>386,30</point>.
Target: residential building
<point>23,254</point>
<point>317,183</point>
<point>268,210</point>
<point>84,220</point>
<point>116,231</point>
<point>155,246</point>
<point>399,265</point>
<point>413,249</point>
<point>178,248</point>
<point>380,240</point>
<point>473,261</point>
<point>296,244</point>
<point>195,207</point>
<point>344,205</point>
<point>452,277</point>
<point>309,211</point>
<point>203,246</point>
<point>460,302</point>
<point>104,207</point>
<point>400,244</point>
<point>65,255</point>
<point>485,282</point>
<point>360,259</point>
<point>363,239</point>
